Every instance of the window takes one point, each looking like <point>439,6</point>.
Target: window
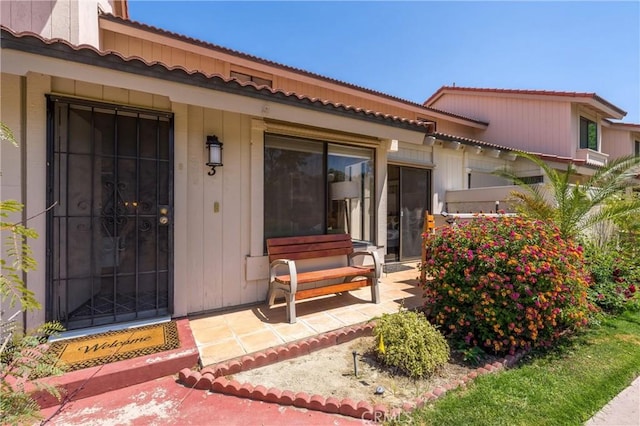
<point>531,180</point>
<point>247,77</point>
<point>637,149</point>
<point>313,187</point>
<point>588,134</point>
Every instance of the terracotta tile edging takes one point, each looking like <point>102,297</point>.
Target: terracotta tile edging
<point>213,378</point>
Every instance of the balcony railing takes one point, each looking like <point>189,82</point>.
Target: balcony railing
<point>592,157</point>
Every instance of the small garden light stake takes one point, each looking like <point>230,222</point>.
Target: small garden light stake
<point>355,363</point>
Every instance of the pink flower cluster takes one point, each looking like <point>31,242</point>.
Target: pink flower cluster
<point>504,283</point>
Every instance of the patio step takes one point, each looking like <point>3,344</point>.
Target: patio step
<point>121,374</point>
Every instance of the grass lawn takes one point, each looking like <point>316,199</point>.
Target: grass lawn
<point>565,386</point>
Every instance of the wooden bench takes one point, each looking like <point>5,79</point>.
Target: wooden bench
<point>284,252</point>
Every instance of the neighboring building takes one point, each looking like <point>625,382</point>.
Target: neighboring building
<point>572,125</point>
<point>113,117</point>
<point>71,20</point>
<point>560,127</point>
<point>620,139</point>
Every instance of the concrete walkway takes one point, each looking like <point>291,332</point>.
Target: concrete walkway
<point>164,402</point>
<point>228,335</point>
<point>623,410</point>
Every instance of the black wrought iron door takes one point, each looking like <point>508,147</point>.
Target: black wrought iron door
<point>110,231</point>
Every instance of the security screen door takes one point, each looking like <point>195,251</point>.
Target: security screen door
<point>109,232</point>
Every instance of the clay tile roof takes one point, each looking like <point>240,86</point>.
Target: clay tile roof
<point>469,141</point>
<point>525,92</point>
<point>267,62</point>
<point>483,144</point>
<point>630,126</point>
<point>62,49</point>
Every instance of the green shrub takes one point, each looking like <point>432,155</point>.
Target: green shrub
<point>615,276</point>
<point>504,283</point>
<point>409,343</point>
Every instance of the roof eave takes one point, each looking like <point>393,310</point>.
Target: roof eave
<point>592,99</point>
<point>61,49</point>
<point>116,21</point>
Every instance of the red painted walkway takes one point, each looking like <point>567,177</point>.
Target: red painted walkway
<point>165,402</point>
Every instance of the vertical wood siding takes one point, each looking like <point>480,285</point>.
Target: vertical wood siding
<point>531,125</point>
<point>75,21</point>
<point>412,154</point>
<point>213,276</point>
<point>448,175</point>
<point>173,56</point>
<point>10,159</point>
<point>618,143</point>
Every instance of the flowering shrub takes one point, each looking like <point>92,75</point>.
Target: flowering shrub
<point>504,283</point>
<point>615,277</point>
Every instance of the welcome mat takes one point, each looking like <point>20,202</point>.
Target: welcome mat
<point>112,346</point>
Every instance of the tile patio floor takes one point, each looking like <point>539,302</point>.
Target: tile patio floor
<point>231,334</point>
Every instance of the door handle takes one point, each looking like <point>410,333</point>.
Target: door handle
<point>164,215</point>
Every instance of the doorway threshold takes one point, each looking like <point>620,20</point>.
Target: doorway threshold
<point>391,267</point>
<point>82,332</point>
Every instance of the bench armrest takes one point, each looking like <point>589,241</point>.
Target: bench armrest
<point>374,256</point>
<point>291,269</point>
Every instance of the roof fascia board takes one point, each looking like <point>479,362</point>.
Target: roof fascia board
<point>130,29</point>
<point>434,115</point>
<point>90,56</point>
<point>121,8</point>
<point>621,126</point>
<point>20,63</point>
<point>433,98</point>
<point>609,112</point>
<point>140,33</point>
<point>592,101</point>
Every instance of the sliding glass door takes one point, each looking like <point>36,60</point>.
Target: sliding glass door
<point>408,198</point>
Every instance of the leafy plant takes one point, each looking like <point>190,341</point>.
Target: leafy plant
<point>24,360</point>
<point>6,135</point>
<point>23,356</point>
<point>615,277</point>
<point>473,355</point>
<point>409,343</point>
<point>504,283</point>
<point>575,206</point>
<point>12,288</point>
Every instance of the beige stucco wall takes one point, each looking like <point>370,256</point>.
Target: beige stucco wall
<point>24,168</point>
<point>10,158</point>
<point>72,20</point>
<point>10,112</point>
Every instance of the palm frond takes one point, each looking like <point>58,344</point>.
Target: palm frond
<point>575,207</point>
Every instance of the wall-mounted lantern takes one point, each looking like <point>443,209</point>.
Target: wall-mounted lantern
<point>511,156</point>
<point>214,146</point>
<point>429,140</point>
<point>455,145</point>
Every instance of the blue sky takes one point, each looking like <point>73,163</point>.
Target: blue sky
<point>410,49</point>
